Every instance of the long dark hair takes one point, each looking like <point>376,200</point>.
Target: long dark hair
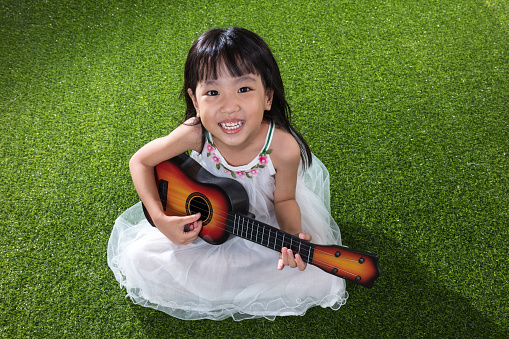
<point>241,52</point>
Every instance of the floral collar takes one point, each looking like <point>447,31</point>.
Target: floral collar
<point>262,160</point>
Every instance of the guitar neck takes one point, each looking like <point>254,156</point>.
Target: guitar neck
<point>186,188</point>
<point>268,236</point>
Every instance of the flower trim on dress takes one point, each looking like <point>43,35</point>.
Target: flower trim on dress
<point>263,160</point>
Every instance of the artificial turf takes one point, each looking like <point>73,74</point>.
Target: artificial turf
<point>405,101</point>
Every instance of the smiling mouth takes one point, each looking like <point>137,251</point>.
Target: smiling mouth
<point>229,126</point>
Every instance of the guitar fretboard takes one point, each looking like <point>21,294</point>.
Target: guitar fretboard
<point>268,236</point>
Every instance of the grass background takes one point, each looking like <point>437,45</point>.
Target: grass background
<point>405,101</point>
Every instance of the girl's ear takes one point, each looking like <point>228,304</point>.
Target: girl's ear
<point>269,95</point>
<point>195,103</point>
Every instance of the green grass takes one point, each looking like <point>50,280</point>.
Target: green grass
<point>405,101</point>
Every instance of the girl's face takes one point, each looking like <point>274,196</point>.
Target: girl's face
<point>231,108</point>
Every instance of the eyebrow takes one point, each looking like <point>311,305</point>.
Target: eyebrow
<point>247,77</point>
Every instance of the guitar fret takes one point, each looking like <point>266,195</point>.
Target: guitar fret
<point>268,238</point>
<point>249,229</point>
<point>242,228</point>
<point>274,240</point>
<point>237,230</point>
<point>237,226</point>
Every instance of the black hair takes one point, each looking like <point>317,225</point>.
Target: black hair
<point>241,52</point>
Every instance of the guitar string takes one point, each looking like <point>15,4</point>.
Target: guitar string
<point>181,197</point>
<point>221,216</point>
<point>223,219</point>
<point>321,263</point>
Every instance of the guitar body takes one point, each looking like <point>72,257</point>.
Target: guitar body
<point>193,189</point>
<point>186,188</point>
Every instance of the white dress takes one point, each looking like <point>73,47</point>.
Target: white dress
<point>236,279</point>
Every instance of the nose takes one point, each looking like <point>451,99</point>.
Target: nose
<point>229,104</point>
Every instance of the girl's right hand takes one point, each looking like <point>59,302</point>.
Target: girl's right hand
<point>180,230</point>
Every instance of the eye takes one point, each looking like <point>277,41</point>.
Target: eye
<point>212,93</point>
<point>244,89</point>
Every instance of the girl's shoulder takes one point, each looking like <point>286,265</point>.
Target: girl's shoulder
<point>184,138</point>
<point>187,136</point>
<point>285,149</point>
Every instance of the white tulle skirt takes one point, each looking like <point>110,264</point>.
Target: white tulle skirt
<point>237,279</point>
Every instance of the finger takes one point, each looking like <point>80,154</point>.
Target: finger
<point>280,264</point>
<point>194,230</point>
<point>284,256</point>
<point>191,227</point>
<point>197,225</point>
<point>188,222</point>
<point>300,263</point>
<point>305,236</point>
<point>291,259</point>
<point>190,232</point>
<point>189,219</point>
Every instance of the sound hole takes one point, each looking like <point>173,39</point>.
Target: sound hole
<point>199,203</point>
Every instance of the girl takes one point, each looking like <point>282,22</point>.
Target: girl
<point>236,126</point>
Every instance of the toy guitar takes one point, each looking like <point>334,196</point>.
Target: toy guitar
<point>186,188</point>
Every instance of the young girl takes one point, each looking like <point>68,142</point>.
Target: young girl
<point>236,126</point>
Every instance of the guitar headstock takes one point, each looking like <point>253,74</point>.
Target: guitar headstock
<point>357,267</point>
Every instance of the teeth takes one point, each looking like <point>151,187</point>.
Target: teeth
<point>231,125</point>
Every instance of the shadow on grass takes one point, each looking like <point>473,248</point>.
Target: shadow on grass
<point>406,301</point>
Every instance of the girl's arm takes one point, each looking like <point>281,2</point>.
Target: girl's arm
<point>183,138</point>
<point>286,160</point>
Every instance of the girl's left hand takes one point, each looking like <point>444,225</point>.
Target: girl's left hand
<point>286,257</point>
